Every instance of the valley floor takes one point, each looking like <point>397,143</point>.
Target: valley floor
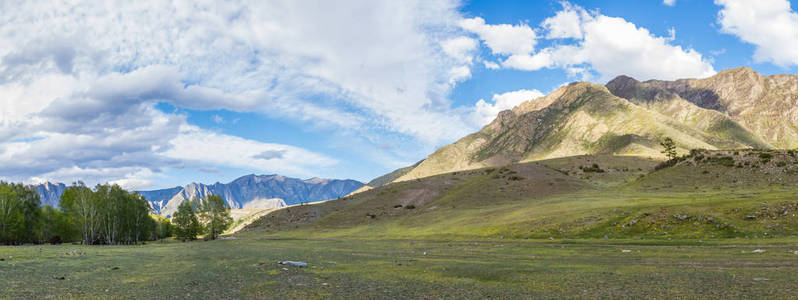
<point>247,267</point>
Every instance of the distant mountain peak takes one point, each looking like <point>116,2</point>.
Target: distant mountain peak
<point>249,191</point>
<point>316,180</point>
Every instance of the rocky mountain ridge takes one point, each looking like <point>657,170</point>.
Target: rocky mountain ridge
<point>734,109</point>
<point>250,191</point>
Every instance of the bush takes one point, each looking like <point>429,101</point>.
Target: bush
<point>726,161</point>
<point>411,206</point>
<point>592,169</point>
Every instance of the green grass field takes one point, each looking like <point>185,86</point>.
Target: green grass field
<point>562,228</point>
<point>360,269</point>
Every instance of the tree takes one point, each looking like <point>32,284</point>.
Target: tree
<point>215,216</point>
<point>11,216</point>
<point>187,226</point>
<point>669,148</point>
<point>162,228</point>
<point>28,205</point>
<point>84,210</point>
<point>55,226</point>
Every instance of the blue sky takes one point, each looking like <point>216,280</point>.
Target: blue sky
<point>164,93</point>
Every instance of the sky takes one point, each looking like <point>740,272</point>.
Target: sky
<point>155,94</point>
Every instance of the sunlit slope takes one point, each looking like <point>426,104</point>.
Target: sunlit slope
<point>601,196</point>
<point>660,100</point>
<point>581,118</point>
<point>765,105</point>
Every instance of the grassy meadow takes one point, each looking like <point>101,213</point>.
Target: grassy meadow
<point>713,225</point>
<point>362,269</point>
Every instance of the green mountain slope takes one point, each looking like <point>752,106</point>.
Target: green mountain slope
<point>766,105</point>
<point>734,109</point>
<point>708,194</point>
<point>581,118</point>
<point>668,103</point>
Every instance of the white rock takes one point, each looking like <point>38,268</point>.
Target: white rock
<point>758,251</point>
<point>796,253</point>
<point>294,263</point>
<point>626,251</point>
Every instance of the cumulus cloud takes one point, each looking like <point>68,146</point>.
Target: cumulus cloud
<point>460,48</point>
<point>484,112</point>
<point>565,23</point>
<point>770,25</point>
<point>80,81</point>
<point>588,43</point>
<point>669,2</point>
<point>502,38</point>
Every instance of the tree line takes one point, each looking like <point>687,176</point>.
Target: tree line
<point>107,214</point>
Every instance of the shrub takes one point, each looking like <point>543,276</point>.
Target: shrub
<point>411,206</point>
<point>726,161</point>
<point>592,169</point>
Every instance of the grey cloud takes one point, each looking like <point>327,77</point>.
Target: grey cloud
<point>270,154</point>
<point>209,170</point>
<point>61,51</point>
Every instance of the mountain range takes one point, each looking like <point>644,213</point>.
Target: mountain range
<point>736,108</point>
<point>250,191</point>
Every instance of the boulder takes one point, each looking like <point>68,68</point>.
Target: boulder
<point>294,263</point>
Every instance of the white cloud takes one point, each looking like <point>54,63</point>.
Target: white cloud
<point>217,119</point>
<point>589,42</point>
<point>566,23</point>
<point>491,65</point>
<point>459,74</point>
<point>460,48</point>
<point>485,112</point>
<point>614,46</point>
<point>203,147</point>
<point>771,25</point>
<point>80,81</point>
<point>503,38</point>
<point>669,2</point>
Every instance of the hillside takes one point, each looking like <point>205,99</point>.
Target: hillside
<point>734,109</point>
<point>707,194</point>
<point>766,105</point>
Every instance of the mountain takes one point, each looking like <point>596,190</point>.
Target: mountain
<point>49,193</point>
<point>733,109</point>
<point>158,198</point>
<point>251,191</point>
<point>260,191</point>
<point>765,105</point>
